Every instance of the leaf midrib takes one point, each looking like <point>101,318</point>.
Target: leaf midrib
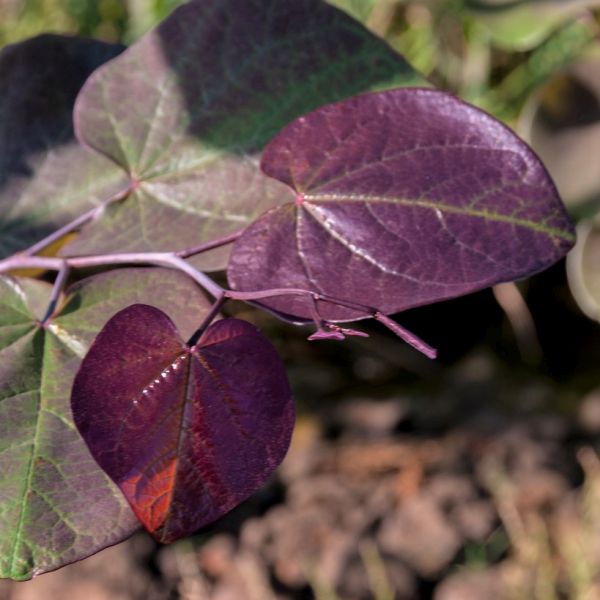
<point>17,537</point>
<point>180,437</point>
<point>445,208</point>
<point>41,407</point>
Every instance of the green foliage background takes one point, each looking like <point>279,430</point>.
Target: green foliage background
<point>489,52</point>
<point>110,20</point>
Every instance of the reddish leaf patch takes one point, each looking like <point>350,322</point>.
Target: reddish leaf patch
<point>186,433</point>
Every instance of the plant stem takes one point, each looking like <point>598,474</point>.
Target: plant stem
<point>76,223</point>
<point>59,284</point>
<point>203,280</point>
<point>161,259</point>
<point>21,261</point>
<point>216,243</point>
<point>409,337</point>
<point>172,261</point>
<point>214,311</point>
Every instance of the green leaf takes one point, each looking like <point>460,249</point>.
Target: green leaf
<point>187,110</point>
<point>57,505</point>
<point>522,24</point>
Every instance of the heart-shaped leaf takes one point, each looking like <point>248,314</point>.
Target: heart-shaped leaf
<point>403,198</point>
<point>186,110</point>
<point>46,177</point>
<point>57,505</point>
<point>187,433</point>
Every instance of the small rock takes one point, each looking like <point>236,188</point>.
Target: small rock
<point>369,418</point>
<point>475,519</point>
<point>217,555</point>
<point>450,489</point>
<point>420,534</point>
<point>539,490</point>
<point>357,583</point>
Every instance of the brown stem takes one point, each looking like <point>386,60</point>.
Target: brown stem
<point>210,317</point>
<point>76,223</point>
<point>173,261</point>
<point>160,259</point>
<point>212,244</point>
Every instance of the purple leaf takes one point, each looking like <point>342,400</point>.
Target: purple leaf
<point>186,433</point>
<point>403,198</point>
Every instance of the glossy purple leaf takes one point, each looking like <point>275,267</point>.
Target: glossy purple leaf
<point>403,198</point>
<point>186,433</point>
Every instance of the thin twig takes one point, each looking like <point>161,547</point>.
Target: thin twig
<point>210,317</point>
<point>203,280</point>
<point>19,261</point>
<point>172,261</point>
<point>76,223</point>
<point>161,259</point>
<point>211,245</point>
<point>409,337</point>
<point>59,285</point>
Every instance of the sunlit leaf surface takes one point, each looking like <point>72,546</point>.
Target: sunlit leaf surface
<point>403,198</point>
<point>187,433</point>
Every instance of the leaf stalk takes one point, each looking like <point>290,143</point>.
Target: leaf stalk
<point>173,260</point>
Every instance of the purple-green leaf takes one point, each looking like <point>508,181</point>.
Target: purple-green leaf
<point>46,177</point>
<point>402,198</point>
<point>57,505</point>
<point>187,433</point>
<point>187,110</point>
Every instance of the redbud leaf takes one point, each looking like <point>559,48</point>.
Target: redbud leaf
<point>46,177</point>
<point>187,110</point>
<point>403,198</point>
<point>56,505</point>
<point>187,433</point>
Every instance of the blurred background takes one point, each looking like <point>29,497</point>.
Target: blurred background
<point>476,476</point>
